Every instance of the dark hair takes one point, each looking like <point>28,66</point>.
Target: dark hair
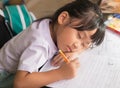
<point>90,15</point>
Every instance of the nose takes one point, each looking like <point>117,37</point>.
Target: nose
<point>76,45</point>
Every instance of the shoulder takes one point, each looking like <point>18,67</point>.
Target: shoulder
<point>40,23</point>
<point>37,33</point>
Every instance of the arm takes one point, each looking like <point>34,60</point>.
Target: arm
<point>24,79</point>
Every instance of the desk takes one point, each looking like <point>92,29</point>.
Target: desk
<point>100,67</point>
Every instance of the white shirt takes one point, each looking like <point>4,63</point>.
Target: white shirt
<point>29,50</point>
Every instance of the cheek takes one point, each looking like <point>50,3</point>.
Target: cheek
<point>65,39</point>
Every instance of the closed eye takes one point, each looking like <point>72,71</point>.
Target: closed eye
<point>89,45</point>
<point>79,36</point>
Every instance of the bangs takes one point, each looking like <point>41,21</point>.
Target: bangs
<point>89,21</point>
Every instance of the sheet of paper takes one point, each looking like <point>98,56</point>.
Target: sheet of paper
<point>100,67</point>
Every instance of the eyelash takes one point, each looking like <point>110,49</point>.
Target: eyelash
<point>79,36</point>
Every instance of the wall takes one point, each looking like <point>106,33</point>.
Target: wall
<point>44,7</point>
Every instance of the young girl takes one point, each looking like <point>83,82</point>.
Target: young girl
<point>73,28</point>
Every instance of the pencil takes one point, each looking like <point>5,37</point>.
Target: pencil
<point>64,57</point>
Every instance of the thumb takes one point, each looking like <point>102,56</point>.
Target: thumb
<point>76,63</point>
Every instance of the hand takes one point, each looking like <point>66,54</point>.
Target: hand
<point>58,59</point>
<point>69,70</point>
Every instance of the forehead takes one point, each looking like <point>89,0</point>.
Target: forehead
<point>91,32</point>
<point>88,34</point>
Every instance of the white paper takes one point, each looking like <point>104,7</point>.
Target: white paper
<point>99,68</point>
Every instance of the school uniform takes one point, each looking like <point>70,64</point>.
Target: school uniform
<point>27,51</point>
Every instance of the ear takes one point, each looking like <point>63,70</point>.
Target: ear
<point>63,18</point>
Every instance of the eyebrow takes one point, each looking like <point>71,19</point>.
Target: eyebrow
<point>87,35</point>
<point>82,33</point>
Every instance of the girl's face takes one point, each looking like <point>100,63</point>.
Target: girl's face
<point>69,39</point>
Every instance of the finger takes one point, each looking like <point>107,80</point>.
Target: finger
<point>54,60</point>
<point>77,65</point>
<point>60,62</point>
<point>71,56</point>
<point>75,60</point>
<point>57,60</point>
